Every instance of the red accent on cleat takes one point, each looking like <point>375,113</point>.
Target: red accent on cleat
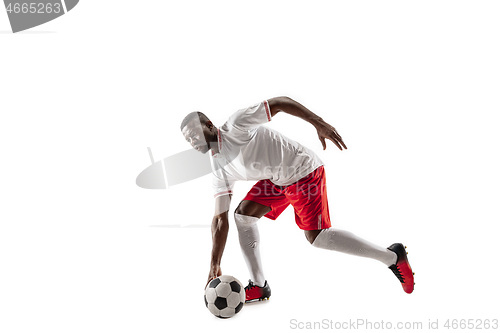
<point>402,268</point>
<point>253,292</point>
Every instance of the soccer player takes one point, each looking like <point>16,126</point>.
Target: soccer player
<point>286,173</point>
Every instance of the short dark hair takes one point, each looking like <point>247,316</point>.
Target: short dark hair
<point>201,116</point>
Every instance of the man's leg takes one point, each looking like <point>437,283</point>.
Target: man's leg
<point>263,199</point>
<point>309,199</point>
<point>246,216</point>
<point>346,242</point>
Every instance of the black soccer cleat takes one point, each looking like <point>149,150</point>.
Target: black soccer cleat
<point>402,268</point>
<point>253,292</point>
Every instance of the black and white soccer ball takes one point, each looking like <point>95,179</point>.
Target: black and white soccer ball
<point>224,296</point>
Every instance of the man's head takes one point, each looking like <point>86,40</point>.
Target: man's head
<point>199,131</point>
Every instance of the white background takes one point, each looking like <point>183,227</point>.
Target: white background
<point>412,87</point>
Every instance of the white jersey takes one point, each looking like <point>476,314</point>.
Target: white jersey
<point>249,151</point>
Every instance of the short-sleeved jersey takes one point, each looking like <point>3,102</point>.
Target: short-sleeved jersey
<point>250,151</point>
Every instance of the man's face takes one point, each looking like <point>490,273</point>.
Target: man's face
<point>197,134</point>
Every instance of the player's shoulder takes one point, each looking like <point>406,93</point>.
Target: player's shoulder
<point>236,116</point>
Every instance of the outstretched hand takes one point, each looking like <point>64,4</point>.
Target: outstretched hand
<point>327,131</point>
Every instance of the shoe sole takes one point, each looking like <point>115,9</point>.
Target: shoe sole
<point>257,299</point>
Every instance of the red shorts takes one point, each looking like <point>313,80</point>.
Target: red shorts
<point>307,196</point>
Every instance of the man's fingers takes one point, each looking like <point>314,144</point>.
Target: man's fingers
<point>338,139</point>
<point>334,140</point>
<point>332,135</point>
<point>322,139</point>
<point>209,280</point>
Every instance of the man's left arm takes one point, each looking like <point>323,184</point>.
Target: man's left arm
<point>325,130</point>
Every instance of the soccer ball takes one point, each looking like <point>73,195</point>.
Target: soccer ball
<point>224,296</point>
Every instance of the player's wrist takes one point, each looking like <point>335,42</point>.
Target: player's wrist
<point>316,121</point>
<point>214,266</point>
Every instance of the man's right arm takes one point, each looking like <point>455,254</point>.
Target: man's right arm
<point>220,228</point>
<point>325,130</point>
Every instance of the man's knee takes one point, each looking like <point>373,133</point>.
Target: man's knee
<point>240,209</point>
<point>311,235</point>
<point>252,208</point>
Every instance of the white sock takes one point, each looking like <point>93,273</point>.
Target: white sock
<point>347,242</point>
<point>248,233</point>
